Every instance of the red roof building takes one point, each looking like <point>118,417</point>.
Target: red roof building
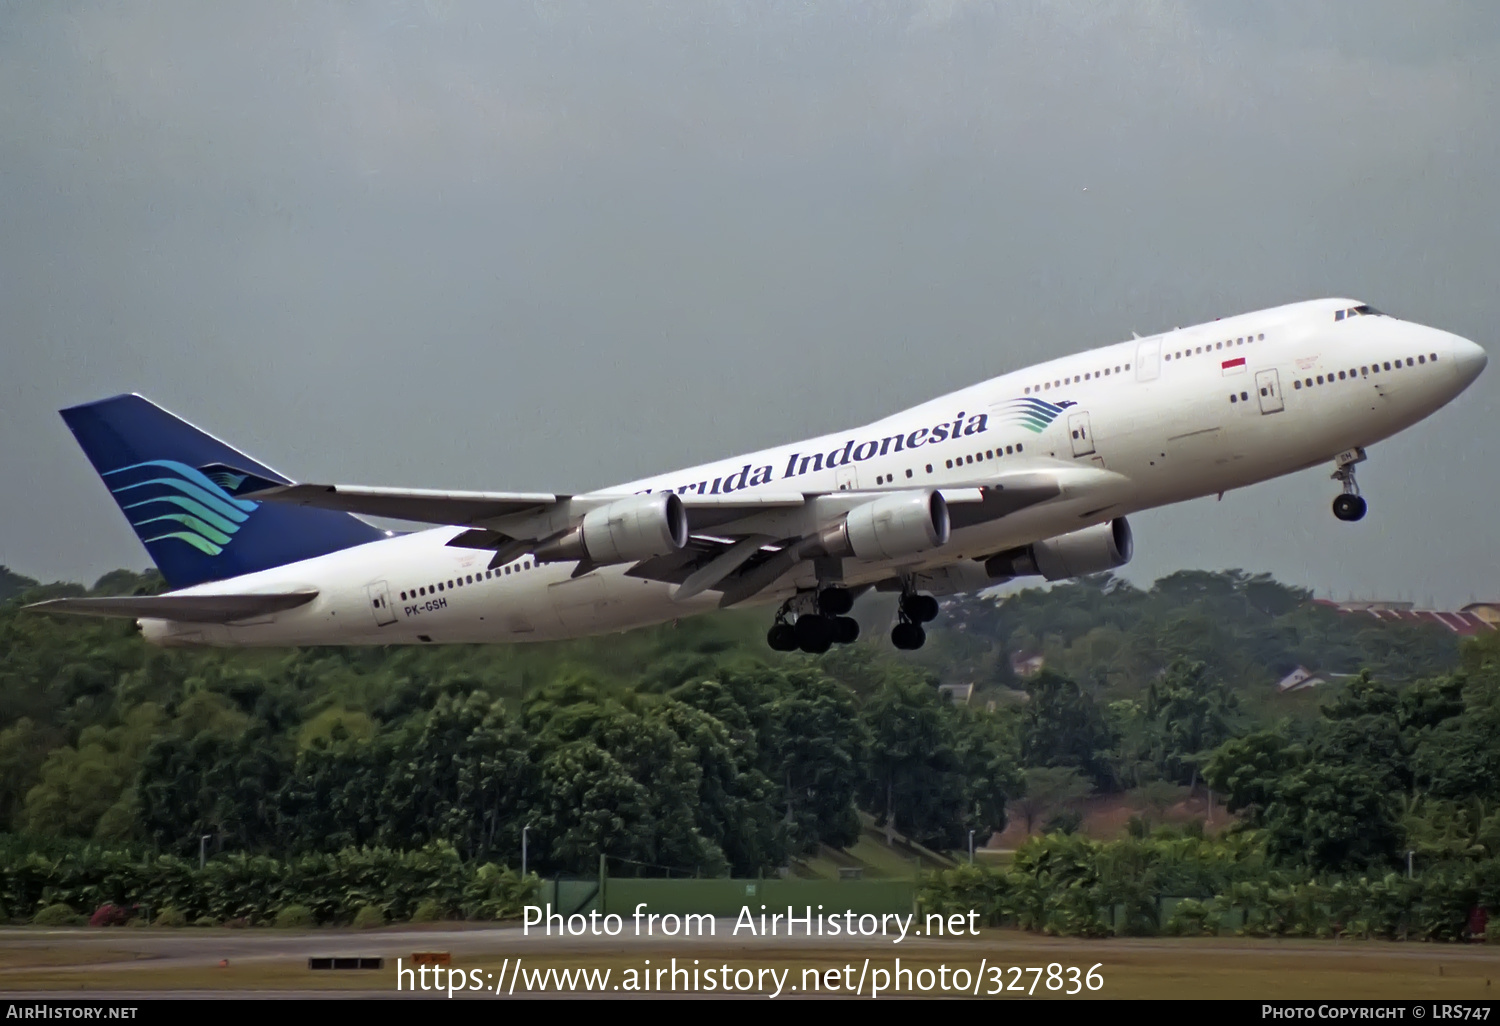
<point>1470,620</point>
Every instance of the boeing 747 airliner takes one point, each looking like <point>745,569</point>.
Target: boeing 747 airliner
<point>1029,473</point>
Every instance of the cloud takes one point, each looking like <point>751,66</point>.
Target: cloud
<point>560,245</point>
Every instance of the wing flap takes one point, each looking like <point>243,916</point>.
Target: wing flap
<point>482,509</point>
<point>184,608</point>
<point>418,504</point>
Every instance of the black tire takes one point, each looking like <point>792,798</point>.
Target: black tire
<point>835,601</point>
<point>814,634</point>
<point>1349,508</point>
<point>908,636</point>
<point>782,637</point>
<point>845,630</point>
<point>922,608</point>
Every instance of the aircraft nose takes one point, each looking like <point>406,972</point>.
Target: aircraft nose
<point>1469,359</point>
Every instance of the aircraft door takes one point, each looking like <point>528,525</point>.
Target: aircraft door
<point>846,478</point>
<point>1081,434</point>
<point>1148,360</point>
<point>1268,384</point>
<point>380,603</point>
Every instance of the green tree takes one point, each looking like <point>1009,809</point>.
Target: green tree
<point>588,805</point>
<point>1333,818</point>
<point>988,749</point>
<point>80,785</point>
<point>206,784</point>
<point>1189,713</point>
<point>1049,790</point>
<point>1247,770</point>
<point>13,584</point>
<point>809,740</point>
<point>915,782</point>
<point>1062,725</point>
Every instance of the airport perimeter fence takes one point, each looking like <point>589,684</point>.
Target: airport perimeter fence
<point>1184,888</point>
<point>725,896</point>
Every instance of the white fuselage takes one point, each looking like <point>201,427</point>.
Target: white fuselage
<point>1156,413</point>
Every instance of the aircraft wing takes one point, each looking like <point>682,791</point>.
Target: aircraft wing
<point>739,543</point>
<point>186,608</point>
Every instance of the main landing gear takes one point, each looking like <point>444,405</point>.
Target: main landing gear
<point>1351,505</point>
<point>913,611</point>
<point>818,621</point>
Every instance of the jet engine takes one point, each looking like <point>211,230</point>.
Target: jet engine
<point>625,531</point>
<point>895,525</point>
<point>1089,551</point>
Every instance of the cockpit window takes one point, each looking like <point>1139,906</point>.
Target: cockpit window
<point>1363,310</point>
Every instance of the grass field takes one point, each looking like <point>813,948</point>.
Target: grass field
<point>81,962</point>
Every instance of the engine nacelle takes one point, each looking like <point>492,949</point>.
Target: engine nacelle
<point>896,525</point>
<point>625,531</point>
<point>1089,551</point>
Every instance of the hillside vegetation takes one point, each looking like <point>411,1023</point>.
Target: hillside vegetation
<point>694,749</point>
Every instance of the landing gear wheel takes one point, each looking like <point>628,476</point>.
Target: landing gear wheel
<point>814,633</point>
<point>835,601</point>
<point>1349,507</point>
<point>782,637</point>
<point>908,636</point>
<point>845,630</point>
<point>920,608</point>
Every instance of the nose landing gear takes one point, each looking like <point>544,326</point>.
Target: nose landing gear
<point>1351,505</point>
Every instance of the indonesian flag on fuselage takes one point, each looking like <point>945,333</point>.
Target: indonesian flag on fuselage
<point>1234,366</point>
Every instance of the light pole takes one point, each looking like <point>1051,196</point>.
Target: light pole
<point>1409,854</point>
<point>203,850</point>
<point>524,830</point>
<point>971,847</point>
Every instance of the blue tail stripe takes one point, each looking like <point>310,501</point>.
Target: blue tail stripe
<point>196,541</point>
<point>188,488</point>
<point>197,509</point>
<point>196,476</point>
<point>208,531</point>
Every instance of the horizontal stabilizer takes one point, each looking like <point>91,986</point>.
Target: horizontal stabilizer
<point>185,608</point>
<point>419,504</point>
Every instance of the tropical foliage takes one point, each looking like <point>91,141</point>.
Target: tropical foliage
<point>316,783</point>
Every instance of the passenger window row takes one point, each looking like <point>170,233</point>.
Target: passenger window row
<point>1180,354</point>
<point>988,454</point>
<point>1228,343</point>
<point>980,457</point>
<point>1075,379</point>
<point>466,579</point>
<point>1364,372</point>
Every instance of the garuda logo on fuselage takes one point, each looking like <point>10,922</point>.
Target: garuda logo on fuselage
<point>179,502</point>
<point>1031,413</point>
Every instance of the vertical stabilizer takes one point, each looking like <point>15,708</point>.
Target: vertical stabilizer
<point>180,489</point>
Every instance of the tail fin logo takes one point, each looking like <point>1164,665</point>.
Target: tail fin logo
<point>166,500</point>
<point>227,480</point>
<point>1031,413</point>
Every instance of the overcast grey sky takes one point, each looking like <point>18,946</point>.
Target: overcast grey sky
<point>554,246</point>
